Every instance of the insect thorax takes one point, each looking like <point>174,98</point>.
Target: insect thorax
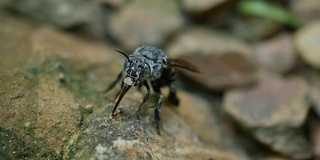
<point>151,61</point>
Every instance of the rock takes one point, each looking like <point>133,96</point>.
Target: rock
<point>114,3</point>
<point>267,110</point>
<point>15,42</point>
<point>145,22</point>
<point>312,76</point>
<point>259,28</point>
<point>307,10</point>
<point>223,62</point>
<point>308,44</point>
<point>59,13</point>
<point>200,6</point>
<point>315,137</point>
<point>41,127</point>
<point>276,54</point>
<point>49,42</point>
<point>126,137</point>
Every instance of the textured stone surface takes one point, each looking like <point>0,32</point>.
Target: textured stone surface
<point>267,110</point>
<point>126,137</point>
<point>39,113</point>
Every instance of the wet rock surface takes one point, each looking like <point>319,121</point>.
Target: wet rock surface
<point>255,98</point>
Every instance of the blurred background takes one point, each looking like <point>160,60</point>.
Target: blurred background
<point>257,97</point>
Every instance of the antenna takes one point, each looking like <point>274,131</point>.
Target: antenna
<point>123,54</point>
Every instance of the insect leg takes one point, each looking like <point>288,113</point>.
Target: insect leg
<point>157,113</point>
<point>173,96</point>
<point>113,83</point>
<point>146,97</point>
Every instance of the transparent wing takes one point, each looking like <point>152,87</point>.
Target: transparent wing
<point>183,64</point>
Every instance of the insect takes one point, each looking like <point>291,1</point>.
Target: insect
<point>149,65</point>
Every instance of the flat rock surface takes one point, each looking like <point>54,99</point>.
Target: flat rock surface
<point>15,42</point>
<point>145,22</point>
<point>266,110</point>
<point>222,61</point>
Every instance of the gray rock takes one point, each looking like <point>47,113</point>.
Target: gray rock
<point>307,42</point>
<point>145,22</point>
<point>126,137</point>
<point>276,54</point>
<point>273,111</point>
<point>57,12</point>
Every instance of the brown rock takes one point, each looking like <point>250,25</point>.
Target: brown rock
<point>15,42</point>
<point>222,61</point>
<point>267,111</point>
<point>145,22</point>
<point>308,44</point>
<point>40,113</point>
<point>49,41</point>
<point>277,54</point>
<point>200,6</point>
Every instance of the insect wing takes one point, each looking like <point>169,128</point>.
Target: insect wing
<point>183,64</point>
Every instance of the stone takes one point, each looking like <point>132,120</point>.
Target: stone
<point>50,41</point>
<point>145,22</point>
<point>307,10</point>
<point>40,127</point>
<point>59,12</point>
<point>200,6</point>
<point>314,128</point>
<point>267,110</point>
<point>15,42</point>
<point>223,61</point>
<point>307,42</point>
<point>276,54</point>
<point>190,135</point>
<point>260,28</point>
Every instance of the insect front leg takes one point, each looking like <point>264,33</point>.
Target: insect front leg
<point>113,83</point>
<point>146,97</point>
<point>173,96</point>
<point>157,112</point>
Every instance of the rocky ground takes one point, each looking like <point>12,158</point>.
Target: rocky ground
<point>257,96</point>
